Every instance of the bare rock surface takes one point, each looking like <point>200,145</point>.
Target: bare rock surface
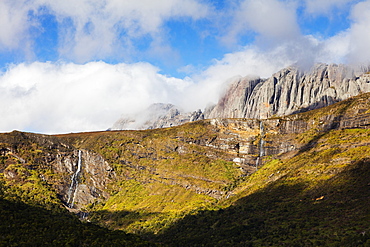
<point>290,91</point>
<point>157,115</point>
<point>286,92</point>
<point>92,178</point>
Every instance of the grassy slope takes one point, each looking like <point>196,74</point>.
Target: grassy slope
<point>31,215</point>
<point>316,196</point>
<point>26,225</point>
<point>162,175</point>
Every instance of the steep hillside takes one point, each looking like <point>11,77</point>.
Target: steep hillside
<point>33,197</point>
<point>25,224</point>
<point>294,180</point>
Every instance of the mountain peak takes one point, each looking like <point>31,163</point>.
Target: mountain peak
<point>157,115</point>
<point>288,91</point>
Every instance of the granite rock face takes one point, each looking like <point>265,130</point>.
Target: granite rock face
<point>286,92</point>
<point>233,103</point>
<point>290,91</point>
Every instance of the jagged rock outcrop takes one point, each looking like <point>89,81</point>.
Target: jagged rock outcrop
<point>286,92</point>
<point>290,91</point>
<point>157,115</point>
<point>233,102</point>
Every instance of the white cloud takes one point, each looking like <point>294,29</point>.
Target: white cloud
<point>94,29</point>
<point>14,24</point>
<point>271,19</point>
<point>52,98</point>
<point>359,34</point>
<point>335,49</point>
<point>324,7</point>
<point>278,39</point>
<point>66,97</point>
<point>351,46</point>
<point>278,34</point>
<point>147,16</point>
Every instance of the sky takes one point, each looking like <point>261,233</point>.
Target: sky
<point>79,65</point>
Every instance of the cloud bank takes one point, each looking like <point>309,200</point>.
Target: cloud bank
<point>70,97</point>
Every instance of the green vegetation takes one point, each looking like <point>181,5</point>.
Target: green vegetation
<point>317,198</point>
<point>333,214</point>
<point>31,215</point>
<point>162,175</point>
<point>147,209</point>
<point>172,188</point>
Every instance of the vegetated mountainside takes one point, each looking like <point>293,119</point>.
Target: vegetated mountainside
<point>294,180</point>
<point>33,197</point>
<point>317,194</point>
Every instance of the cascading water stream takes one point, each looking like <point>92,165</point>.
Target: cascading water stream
<point>261,145</point>
<point>74,182</point>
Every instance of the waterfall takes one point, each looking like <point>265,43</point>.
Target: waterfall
<point>74,182</point>
<point>261,145</point>
<point>262,141</point>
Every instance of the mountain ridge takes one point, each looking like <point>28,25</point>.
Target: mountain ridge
<point>297,180</point>
<point>288,91</point>
<point>158,115</point>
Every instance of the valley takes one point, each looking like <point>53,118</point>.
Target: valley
<point>297,180</point>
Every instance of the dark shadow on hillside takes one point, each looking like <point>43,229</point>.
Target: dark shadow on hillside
<point>334,213</point>
<point>120,219</point>
<point>25,225</point>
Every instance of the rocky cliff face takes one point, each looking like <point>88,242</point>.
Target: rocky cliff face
<point>290,91</point>
<point>85,177</point>
<point>251,140</point>
<point>285,92</point>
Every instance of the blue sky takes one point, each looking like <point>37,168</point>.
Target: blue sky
<point>119,56</point>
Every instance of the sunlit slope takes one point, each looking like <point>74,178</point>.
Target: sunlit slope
<point>318,197</point>
<point>198,184</point>
<point>31,212</point>
<point>162,175</point>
